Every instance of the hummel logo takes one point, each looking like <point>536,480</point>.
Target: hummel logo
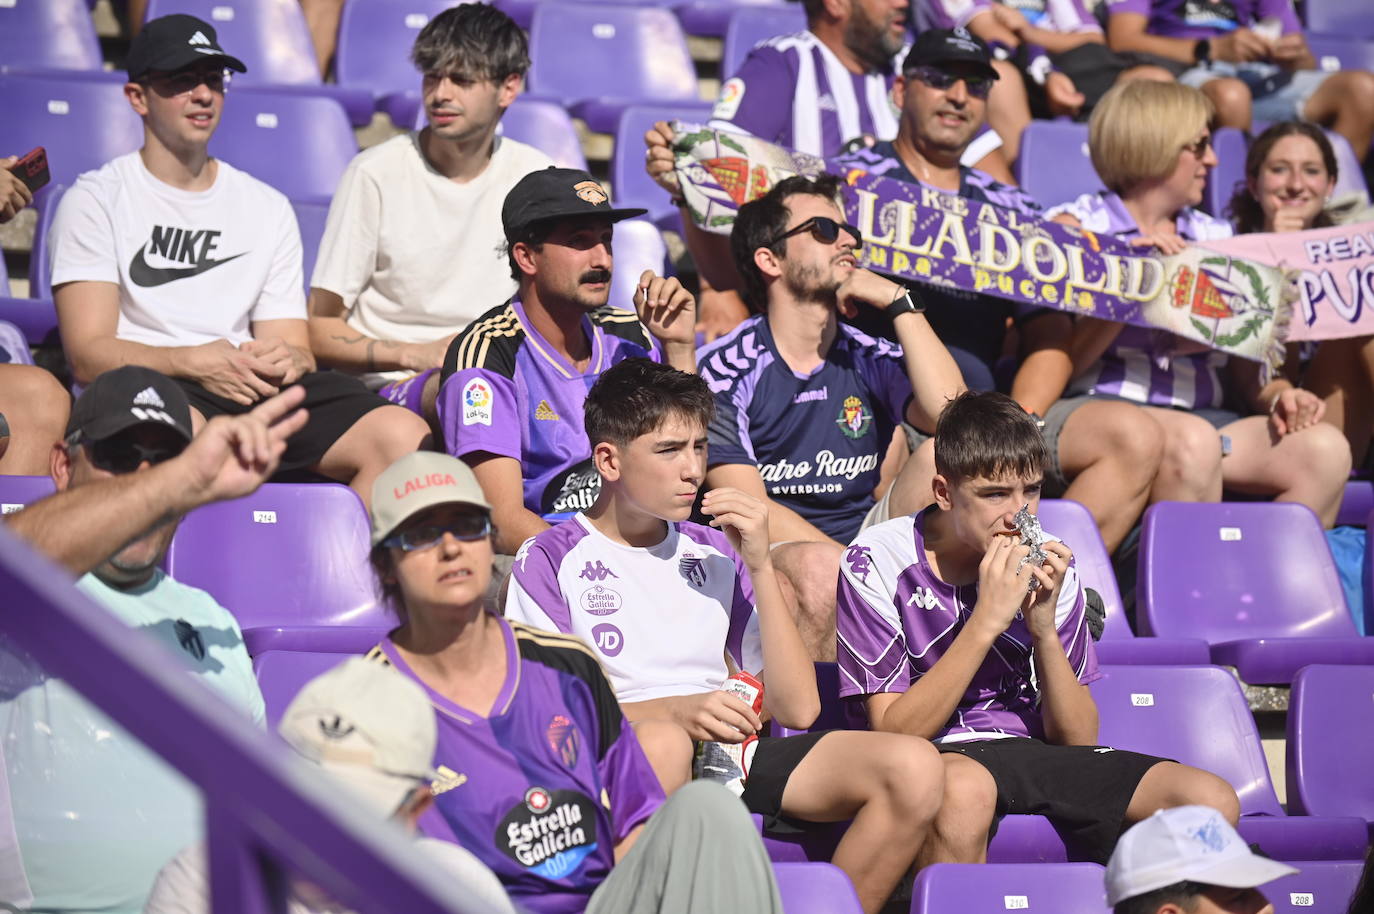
<point>199,38</point>
<point>148,397</point>
<point>334,727</point>
<point>183,245</point>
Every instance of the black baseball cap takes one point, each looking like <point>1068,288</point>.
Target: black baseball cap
<point>124,397</point>
<point>169,43</point>
<point>557,193</point>
<point>937,46</point>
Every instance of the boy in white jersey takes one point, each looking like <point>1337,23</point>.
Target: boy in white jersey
<point>669,607</point>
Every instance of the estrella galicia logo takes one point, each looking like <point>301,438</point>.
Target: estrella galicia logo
<point>597,572</point>
<point>693,568</point>
<point>180,245</point>
<point>550,833</point>
<point>860,562</point>
<point>855,417</point>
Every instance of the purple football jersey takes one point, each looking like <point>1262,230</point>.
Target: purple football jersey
<point>1063,16</point>
<point>1207,18</point>
<point>543,787</point>
<point>896,619</point>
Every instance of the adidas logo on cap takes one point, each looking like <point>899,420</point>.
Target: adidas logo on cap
<point>147,396</point>
<point>199,38</point>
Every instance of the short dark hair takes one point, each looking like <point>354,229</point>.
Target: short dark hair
<point>634,397</point>
<point>1184,894</point>
<point>760,221</point>
<point>984,433</point>
<point>534,236</point>
<point>475,39</point>
<point>1244,209</point>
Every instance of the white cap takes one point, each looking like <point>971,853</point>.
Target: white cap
<point>369,727</point>
<point>1192,843</point>
<point>420,480</point>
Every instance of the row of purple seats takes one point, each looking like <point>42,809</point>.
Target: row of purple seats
<point>48,34</point>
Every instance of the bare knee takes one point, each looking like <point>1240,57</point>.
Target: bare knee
<point>1192,456</point>
<point>1147,71</point>
<point>970,793</point>
<point>1132,438</point>
<point>1170,784</point>
<point>909,777</point>
<point>1232,101</point>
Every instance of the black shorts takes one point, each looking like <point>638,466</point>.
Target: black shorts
<point>774,761</point>
<point>1083,790</point>
<point>335,402</point>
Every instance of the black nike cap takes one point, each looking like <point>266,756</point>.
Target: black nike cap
<point>170,43</point>
<point>937,46</point>
<point>557,193</point>
<point>127,396</point>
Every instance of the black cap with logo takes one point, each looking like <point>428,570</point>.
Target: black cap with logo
<point>937,46</point>
<point>169,43</point>
<point>557,193</point>
<point>124,397</point>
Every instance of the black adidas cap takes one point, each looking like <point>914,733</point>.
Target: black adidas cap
<point>936,46</point>
<point>124,397</point>
<point>169,43</point>
<point>557,193</point>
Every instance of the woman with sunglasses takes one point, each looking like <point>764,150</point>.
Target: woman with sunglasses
<point>1151,146</point>
<point>1290,174</point>
<point>541,776</point>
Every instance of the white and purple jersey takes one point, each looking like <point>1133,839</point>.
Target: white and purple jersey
<point>659,618</point>
<point>896,619</point>
<point>816,439</point>
<point>1199,19</point>
<point>831,108</point>
<point>544,785</point>
<point>1150,367</point>
<point>506,391</point>
<point>1063,16</point>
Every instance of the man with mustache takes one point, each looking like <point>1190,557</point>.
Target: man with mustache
<point>411,251</point>
<point>511,392</point>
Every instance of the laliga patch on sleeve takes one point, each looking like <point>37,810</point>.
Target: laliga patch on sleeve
<point>731,94</point>
<point>477,402</point>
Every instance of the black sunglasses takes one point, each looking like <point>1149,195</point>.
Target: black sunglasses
<point>823,229</point>
<point>465,528</point>
<point>1199,147</point>
<point>978,86</point>
<point>180,82</point>
<point>124,455</point>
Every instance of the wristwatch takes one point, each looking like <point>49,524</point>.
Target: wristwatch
<point>903,304</point>
<point>1202,51</point>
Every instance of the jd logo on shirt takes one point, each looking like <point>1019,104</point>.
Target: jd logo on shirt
<point>181,245</point>
<point>551,833</point>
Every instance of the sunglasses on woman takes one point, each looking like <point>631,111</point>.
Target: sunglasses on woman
<point>1200,146</point>
<point>823,229</point>
<point>465,528</point>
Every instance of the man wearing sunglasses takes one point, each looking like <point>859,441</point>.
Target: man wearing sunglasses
<point>805,405</point>
<point>170,258</point>
<point>1101,453</point>
<point>96,814</point>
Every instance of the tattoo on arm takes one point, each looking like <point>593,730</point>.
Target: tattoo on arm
<point>372,345</point>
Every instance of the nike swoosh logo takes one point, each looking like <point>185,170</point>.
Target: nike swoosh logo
<point>148,277</point>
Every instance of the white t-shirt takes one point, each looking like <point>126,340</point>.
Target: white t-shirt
<point>192,266</point>
<point>414,255</point>
<point>659,618</point>
<point>182,887</point>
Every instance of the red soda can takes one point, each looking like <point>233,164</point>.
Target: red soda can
<point>746,688</point>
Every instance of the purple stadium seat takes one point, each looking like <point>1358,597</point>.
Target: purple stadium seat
<point>1350,174</point>
<point>18,491</point>
<point>281,674</point>
<point>1230,147</point>
<point>638,247</point>
<point>1330,743</point>
<point>991,888</point>
<point>712,18</point>
<point>1322,887</point>
<point>600,58</point>
<point>373,54</point>
<point>299,144</point>
<point>1054,166</point>
<point>1198,716</point>
<point>1072,523</point>
<point>13,341</point>
<point>289,554</point>
<point>815,888</point>
<point>269,36</point>
<point>1255,580</point>
<point>836,713</point>
<point>324,639</point>
<point>48,34</point>
<point>1339,17</point>
<point>310,217</point>
<point>1342,52</point>
<point>82,121</point>
<point>751,24</point>
<point>545,125</point>
<point>630,183</point>
<point>1356,504</point>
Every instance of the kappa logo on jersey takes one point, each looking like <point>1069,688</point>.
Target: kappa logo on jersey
<point>600,601</point>
<point>189,639</point>
<point>563,740</point>
<point>693,568</point>
<point>544,412</point>
<point>923,597</point>
<point>477,402</point>
<point>597,572</point>
<point>549,833</point>
<point>860,562</point>
<point>180,245</point>
<point>855,418</point>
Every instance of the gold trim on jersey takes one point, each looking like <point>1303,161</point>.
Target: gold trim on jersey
<point>472,351</point>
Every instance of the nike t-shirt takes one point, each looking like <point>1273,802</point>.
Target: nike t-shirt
<point>192,266</point>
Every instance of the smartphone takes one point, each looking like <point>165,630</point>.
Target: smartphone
<point>32,169</point>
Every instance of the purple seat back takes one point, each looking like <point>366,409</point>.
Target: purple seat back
<point>712,18</point>
<point>1054,166</point>
<point>1349,173</point>
<point>1230,147</point>
<point>1342,52</point>
<point>584,51</point>
<point>638,247</point>
<point>1330,747</point>
<point>1196,715</point>
<point>269,36</point>
<point>82,122</point>
<point>299,144</point>
<point>1356,503</point>
<point>48,34</point>
<point>815,888</point>
<point>1339,17</point>
<point>18,491</point>
<point>375,38</point>
<point>1238,571</point>
<point>1074,524</point>
<point>40,275</point>
<point>629,181</point>
<point>289,554</point>
<point>544,125</point>
<point>13,341</point>
<point>994,888</point>
<point>311,218</point>
<point>281,674</point>
<point>1323,887</point>
<point>751,24</point>
<point>836,713</point>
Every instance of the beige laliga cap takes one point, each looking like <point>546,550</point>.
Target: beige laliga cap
<point>418,481</point>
